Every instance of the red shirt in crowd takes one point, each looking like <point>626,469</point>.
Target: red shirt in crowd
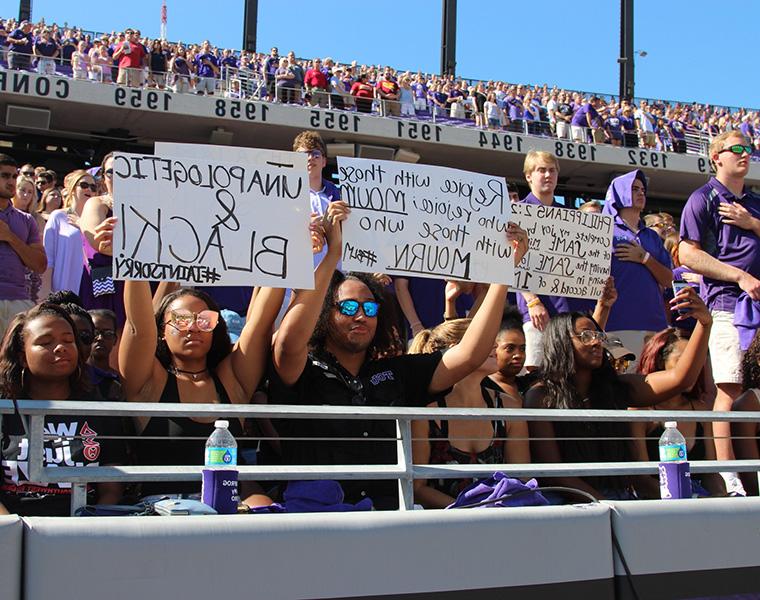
<point>315,79</point>
<point>135,58</point>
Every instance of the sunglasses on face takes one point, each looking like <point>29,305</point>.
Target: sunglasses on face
<point>349,308</point>
<point>182,320</point>
<point>106,334</point>
<point>737,149</point>
<point>108,173</point>
<point>28,173</point>
<point>88,186</point>
<point>589,336</point>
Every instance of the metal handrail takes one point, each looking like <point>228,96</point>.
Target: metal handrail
<point>405,471</point>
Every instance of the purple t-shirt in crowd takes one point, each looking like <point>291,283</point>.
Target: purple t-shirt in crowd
<point>26,47</point>
<point>48,48</point>
<point>553,304</point>
<point>205,70</point>
<point>640,305</point>
<point>13,273</point>
<point>732,245</point>
<point>579,118</point>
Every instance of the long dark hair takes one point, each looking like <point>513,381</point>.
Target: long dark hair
<point>14,381</point>
<point>220,338</point>
<point>558,370</point>
<point>387,340</point>
<point>589,440</point>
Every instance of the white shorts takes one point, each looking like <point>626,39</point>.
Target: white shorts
<point>579,134</point>
<point>534,345</point>
<point>725,353</point>
<point>563,130</point>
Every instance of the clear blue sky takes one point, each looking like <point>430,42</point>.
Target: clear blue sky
<point>697,50</point>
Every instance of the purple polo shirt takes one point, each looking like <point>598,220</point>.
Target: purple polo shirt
<point>13,273</point>
<point>579,118</point>
<point>553,304</point>
<point>640,305</point>
<point>740,248</point>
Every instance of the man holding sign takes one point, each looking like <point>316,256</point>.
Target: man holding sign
<point>349,360</point>
<point>541,171</point>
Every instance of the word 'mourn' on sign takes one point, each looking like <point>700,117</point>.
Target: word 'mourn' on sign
<point>570,252</point>
<point>233,220</point>
<point>423,221</point>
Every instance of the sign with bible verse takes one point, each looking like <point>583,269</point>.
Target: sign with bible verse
<point>570,252</point>
<point>236,217</point>
<point>424,221</point>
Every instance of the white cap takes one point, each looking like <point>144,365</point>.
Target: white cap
<point>673,424</point>
<point>226,424</point>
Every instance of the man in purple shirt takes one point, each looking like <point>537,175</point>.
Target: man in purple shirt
<point>20,46</point>
<point>207,65</point>
<point>584,120</point>
<point>20,247</point>
<point>541,170</point>
<point>46,50</point>
<point>720,240</point>
<point>640,264</point>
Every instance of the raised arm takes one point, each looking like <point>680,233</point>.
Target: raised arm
<point>93,214</point>
<point>290,347</point>
<point>605,302</point>
<point>249,356</point>
<point>139,339</point>
<point>478,340</point>
<point>661,385</point>
<point>401,287</point>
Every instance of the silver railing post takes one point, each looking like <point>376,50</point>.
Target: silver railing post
<point>36,448</point>
<point>405,460</point>
<point>78,497</point>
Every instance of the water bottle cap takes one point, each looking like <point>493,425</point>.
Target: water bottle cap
<point>222,424</point>
<point>673,424</point>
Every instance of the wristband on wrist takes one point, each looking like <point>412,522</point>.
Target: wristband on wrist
<point>534,302</point>
<point>647,256</point>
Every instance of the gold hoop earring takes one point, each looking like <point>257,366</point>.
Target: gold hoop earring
<point>23,378</point>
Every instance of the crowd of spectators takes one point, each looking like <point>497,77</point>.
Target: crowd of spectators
<point>71,332</point>
<point>128,58</point>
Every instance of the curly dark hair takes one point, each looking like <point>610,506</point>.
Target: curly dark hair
<point>13,380</point>
<point>220,340</point>
<point>511,320</point>
<point>751,365</point>
<point>655,354</point>
<point>387,341</point>
<point>63,297</point>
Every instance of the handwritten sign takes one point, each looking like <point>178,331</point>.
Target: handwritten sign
<point>570,251</point>
<point>236,217</point>
<point>425,221</point>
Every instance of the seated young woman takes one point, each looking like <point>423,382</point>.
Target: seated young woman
<point>42,359</point>
<point>577,373</point>
<point>746,435</point>
<point>464,441</point>
<point>661,353</point>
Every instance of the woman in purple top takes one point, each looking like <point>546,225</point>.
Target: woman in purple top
<point>640,264</point>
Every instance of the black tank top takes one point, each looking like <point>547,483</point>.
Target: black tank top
<point>181,448</point>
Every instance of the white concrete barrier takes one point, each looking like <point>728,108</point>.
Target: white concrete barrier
<point>11,536</point>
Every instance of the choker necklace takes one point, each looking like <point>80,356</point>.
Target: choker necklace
<point>194,374</point>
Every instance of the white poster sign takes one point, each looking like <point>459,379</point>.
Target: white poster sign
<point>570,251</point>
<point>213,216</point>
<point>425,221</point>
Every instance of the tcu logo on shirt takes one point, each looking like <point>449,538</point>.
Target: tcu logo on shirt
<point>380,377</point>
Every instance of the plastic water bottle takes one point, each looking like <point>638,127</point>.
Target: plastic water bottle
<point>221,447</point>
<point>672,444</point>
